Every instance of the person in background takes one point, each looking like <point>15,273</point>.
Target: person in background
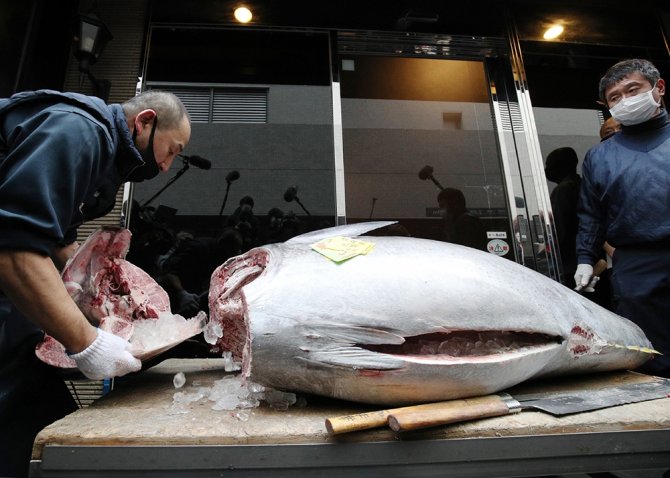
<point>186,273</point>
<point>625,200</point>
<point>561,168</point>
<point>459,225</point>
<point>608,128</point>
<point>245,220</point>
<point>63,157</point>
<point>272,232</point>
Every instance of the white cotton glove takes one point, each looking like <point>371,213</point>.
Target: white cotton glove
<point>584,278</point>
<point>108,356</point>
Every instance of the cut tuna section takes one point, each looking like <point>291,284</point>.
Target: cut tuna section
<point>103,283</point>
<point>114,294</point>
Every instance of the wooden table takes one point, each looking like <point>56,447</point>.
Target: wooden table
<point>136,431</point>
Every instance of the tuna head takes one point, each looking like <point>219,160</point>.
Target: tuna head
<point>412,321</point>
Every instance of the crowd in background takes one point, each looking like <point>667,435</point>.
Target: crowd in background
<point>182,260</point>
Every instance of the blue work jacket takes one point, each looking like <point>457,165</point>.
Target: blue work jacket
<point>625,190</point>
<point>63,157</point>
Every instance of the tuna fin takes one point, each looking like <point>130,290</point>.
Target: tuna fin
<point>335,345</point>
<point>353,357</point>
<point>350,335</point>
<point>349,230</point>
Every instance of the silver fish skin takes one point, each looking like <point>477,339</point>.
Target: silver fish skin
<point>412,321</point>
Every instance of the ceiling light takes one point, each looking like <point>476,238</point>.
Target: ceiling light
<point>553,32</point>
<point>243,15</point>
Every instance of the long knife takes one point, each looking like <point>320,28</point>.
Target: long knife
<point>454,411</point>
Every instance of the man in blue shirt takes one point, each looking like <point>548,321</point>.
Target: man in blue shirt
<point>625,200</point>
<point>63,157</point>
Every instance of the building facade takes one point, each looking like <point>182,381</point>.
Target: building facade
<point>340,112</point>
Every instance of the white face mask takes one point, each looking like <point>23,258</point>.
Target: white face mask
<point>635,109</point>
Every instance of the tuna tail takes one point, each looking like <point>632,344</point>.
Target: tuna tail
<point>348,230</point>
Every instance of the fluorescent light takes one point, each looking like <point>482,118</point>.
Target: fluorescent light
<point>243,15</point>
<point>553,32</point>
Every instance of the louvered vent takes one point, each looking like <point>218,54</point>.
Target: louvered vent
<point>198,102</point>
<point>113,218</point>
<point>222,105</point>
<point>512,121</point>
<point>240,106</point>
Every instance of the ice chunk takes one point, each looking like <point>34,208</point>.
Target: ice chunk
<point>232,393</point>
<point>226,402</point>
<point>212,332</point>
<point>242,416</point>
<point>169,329</point>
<point>279,400</point>
<point>228,364</point>
<point>189,397</point>
<point>179,380</point>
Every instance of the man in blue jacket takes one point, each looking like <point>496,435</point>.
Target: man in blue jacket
<point>63,157</point>
<point>625,200</point>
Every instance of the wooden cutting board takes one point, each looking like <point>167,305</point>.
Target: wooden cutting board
<point>140,411</point>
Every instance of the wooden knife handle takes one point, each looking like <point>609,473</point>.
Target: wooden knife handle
<point>357,421</point>
<point>487,406</point>
<point>434,414</point>
<point>367,420</point>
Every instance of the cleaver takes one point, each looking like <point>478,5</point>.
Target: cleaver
<point>453,411</point>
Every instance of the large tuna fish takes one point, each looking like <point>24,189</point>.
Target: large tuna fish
<point>412,321</point>
<point>119,297</point>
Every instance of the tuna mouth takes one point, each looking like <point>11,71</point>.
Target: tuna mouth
<point>465,343</point>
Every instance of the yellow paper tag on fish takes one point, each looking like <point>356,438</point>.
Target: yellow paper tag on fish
<point>339,249</point>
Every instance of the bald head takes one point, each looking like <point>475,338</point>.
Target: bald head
<point>164,114</point>
<point>168,107</point>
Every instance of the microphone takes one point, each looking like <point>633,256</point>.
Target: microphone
<point>290,194</point>
<point>198,161</point>
<point>232,176</point>
<point>427,173</point>
<point>372,209</point>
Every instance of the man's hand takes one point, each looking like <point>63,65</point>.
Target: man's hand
<point>108,356</point>
<point>584,278</point>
